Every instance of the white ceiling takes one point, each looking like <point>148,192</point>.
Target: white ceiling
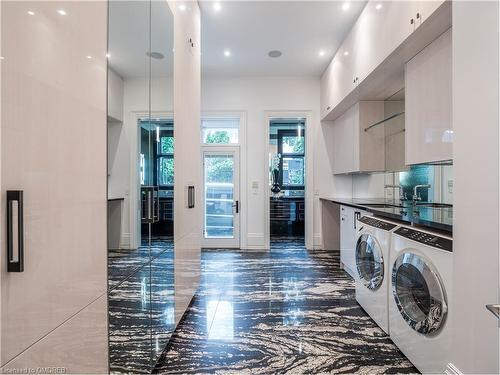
<point>250,29</point>
<point>128,40</point>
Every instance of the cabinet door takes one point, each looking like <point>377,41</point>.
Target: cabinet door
<point>368,39</point>
<point>326,87</point>
<point>429,132</point>
<point>343,142</point>
<point>347,237</point>
<point>425,9</point>
<point>397,26</point>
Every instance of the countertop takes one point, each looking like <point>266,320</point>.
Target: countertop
<point>431,217</point>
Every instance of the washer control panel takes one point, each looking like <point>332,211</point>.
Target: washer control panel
<point>377,223</point>
<point>426,238</point>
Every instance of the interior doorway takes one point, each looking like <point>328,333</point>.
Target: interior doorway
<point>221,138</point>
<point>287,180</point>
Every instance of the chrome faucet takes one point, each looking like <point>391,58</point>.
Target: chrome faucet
<point>416,196</point>
<point>402,195</point>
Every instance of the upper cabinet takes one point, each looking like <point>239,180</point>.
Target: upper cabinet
<point>429,129</point>
<point>381,28</point>
<point>353,148</point>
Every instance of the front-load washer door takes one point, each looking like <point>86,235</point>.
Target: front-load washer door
<point>369,261</point>
<point>419,293</point>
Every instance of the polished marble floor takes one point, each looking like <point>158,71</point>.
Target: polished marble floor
<point>287,310</point>
<point>140,305</point>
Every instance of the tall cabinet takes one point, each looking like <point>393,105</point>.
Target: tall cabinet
<point>428,103</point>
<point>53,186</point>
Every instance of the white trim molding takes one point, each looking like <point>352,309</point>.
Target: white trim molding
<point>308,198</point>
<point>255,241</point>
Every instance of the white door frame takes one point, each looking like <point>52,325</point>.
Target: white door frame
<point>218,149</point>
<point>242,116</point>
<point>134,193</point>
<point>309,186</point>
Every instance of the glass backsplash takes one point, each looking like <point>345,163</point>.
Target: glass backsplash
<point>439,177</point>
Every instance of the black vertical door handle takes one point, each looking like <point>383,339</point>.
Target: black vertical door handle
<point>191,197</point>
<point>15,231</point>
<point>236,205</point>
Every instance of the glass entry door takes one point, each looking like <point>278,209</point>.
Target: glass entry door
<point>221,199</point>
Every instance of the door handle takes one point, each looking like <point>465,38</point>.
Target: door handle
<point>15,231</point>
<point>191,196</point>
<point>236,205</point>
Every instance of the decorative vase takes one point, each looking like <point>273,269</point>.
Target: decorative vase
<point>275,188</point>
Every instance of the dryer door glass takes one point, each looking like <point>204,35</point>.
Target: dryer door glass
<point>419,293</point>
<point>369,261</point>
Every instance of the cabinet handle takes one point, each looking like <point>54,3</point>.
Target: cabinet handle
<point>328,108</point>
<point>411,21</point>
<point>15,231</point>
<point>418,16</point>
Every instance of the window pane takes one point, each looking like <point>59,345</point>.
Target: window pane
<point>220,136</point>
<point>293,171</point>
<point>165,171</point>
<point>219,188</point>
<point>293,145</point>
<point>167,145</point>
<point>220,131</point>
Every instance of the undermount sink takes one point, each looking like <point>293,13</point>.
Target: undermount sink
<point>434,205</point>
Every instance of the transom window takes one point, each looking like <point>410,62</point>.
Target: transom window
<point>220,130</point>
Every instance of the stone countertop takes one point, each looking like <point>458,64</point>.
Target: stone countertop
<point>440,218</point>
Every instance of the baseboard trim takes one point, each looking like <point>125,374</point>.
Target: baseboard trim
<point>451,369</point>
<point>125,241</point>
<point>255,247</point>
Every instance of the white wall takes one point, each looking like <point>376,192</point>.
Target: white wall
<point>475,346</point>
<point>258,96</point>
<point>254,96</point>
<point>115,96</point>
<point>368,185</point>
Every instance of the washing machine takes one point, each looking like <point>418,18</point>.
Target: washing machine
<point>372,267</point>
<point>421,282</point>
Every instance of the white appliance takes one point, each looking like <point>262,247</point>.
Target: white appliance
<point>348,230</point>
<point>421,280</point>
<point>373,268</point>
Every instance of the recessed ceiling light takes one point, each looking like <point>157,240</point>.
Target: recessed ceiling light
<point>182,7</point>
<point>89,57</point>
<point>217,7</point>
<point>274,53</point>
<point>31,13</point>
<point>346,6</point>
<point>155,55</point>
<point>378,6</point>
<point>62,12</point>
<point>227,53</point>
<point>321,53</point>
<point>346,53</point>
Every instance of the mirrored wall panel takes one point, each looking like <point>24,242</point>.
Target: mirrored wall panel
<point>140,183</point>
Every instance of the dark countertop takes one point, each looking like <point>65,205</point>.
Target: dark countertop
<point>431,217</point>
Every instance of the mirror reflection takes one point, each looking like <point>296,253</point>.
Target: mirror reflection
<point>140,183</point>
